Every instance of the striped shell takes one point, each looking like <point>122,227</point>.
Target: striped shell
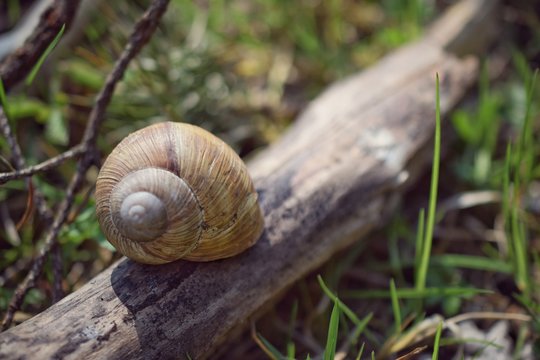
<point>174,191</point>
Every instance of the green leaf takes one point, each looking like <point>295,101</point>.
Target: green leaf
<point>360,352</point>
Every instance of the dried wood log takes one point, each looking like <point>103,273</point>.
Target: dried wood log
<point>332,178</point>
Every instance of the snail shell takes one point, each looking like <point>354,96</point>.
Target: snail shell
<point>174,191</point>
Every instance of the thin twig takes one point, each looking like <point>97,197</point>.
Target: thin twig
<point>14,147</point>
<point>11,273</point>
<point>19,163</point>
<point>142,32</point>
<point>44,166</point>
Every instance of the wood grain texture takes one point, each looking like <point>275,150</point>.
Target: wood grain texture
<point>333,177</point>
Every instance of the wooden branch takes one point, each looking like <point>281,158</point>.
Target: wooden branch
<point>332,178</point>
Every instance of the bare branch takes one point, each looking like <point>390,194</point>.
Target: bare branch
<point>44,166</point>
<point>18,159</point>
<point>11,140</point>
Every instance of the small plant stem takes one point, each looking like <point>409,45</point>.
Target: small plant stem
<point>395,306</point>
<point>435,355</point>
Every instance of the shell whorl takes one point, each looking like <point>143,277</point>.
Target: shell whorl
<point>172,191</point>
<point>150,209</point>
<point>143,216</point>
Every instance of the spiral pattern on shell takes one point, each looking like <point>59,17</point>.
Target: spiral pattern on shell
<point>174,191</point>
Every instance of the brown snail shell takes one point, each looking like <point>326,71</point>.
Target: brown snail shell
<point>174,191</point>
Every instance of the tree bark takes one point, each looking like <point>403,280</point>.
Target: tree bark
<point>335,175</point>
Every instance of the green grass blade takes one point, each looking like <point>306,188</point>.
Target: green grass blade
<point>360,324</point>
<point>508,201</point>
<point>436,345</point>
<point>525,149</point>
<point>413,293</point>
<point>395,305</point>
<point>430,223</point>
<point>419,243</point>
<point>452,261</point>
<point>348,312</point>
<point>361,327</point>
<point>360,352</point>
<point>522,177</point>
<point>43,56</point>
<point>520,254</point>
<point>521,339</point>
<point>3,98</point>
<point>291,348</point>
<point>333,327</point>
